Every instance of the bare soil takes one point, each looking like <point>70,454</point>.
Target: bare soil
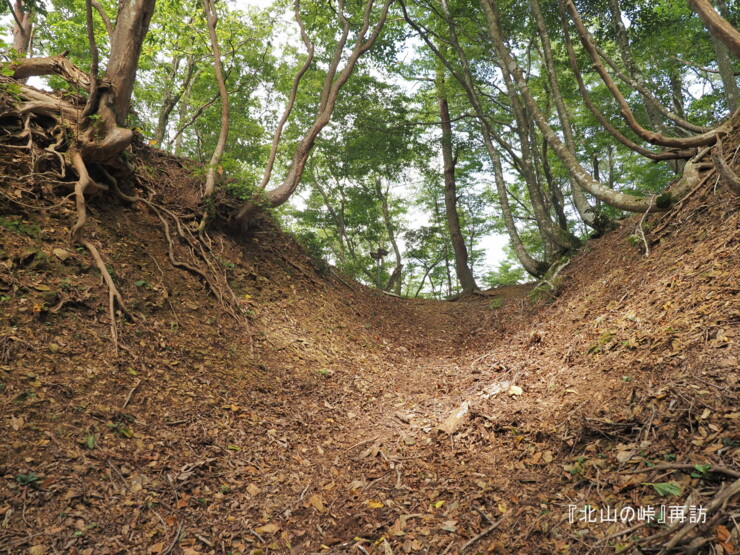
<point>324,421</point>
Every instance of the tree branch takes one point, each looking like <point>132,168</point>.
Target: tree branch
<point>627,115</point>
<point>104,16</point>
<point>717,25</point>
<point>291,99</point>
<point>15,16</point>
<point>212,20</point>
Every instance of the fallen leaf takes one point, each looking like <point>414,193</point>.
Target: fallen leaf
<point>515,390</point>
<point>270,528</point>
<point>450,526</point>
<point>316,502</point>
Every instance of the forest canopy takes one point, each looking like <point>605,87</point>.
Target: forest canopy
<point>413,128</point>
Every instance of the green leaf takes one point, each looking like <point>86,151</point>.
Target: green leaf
<point>666,488</point>
<point>27,479</point>
<point>701,470</point>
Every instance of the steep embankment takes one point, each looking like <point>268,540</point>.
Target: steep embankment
<point>312,424</point>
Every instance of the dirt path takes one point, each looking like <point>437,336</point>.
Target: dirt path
<point>373,462</point>
<point>314,427</point>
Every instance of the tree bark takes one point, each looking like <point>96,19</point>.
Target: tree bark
<point>23,28</point>
<point>727,74</point>
<point>717,25</point>
<point>212,20</point>
<point>462,269</point>
<point>561,237</point>
<point>531,265</point>
<point>332,86</point>
<point>605,123</point>
<point>653,115</point>
<point>466,80</point>
<point>132,25</point>
<point>579,198</point>
<point>172,98</point>
<point>724,65</point>
<point>395,279</point>
<point>649,136</point>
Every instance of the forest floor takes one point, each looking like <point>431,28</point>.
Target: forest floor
<point>334,419</point>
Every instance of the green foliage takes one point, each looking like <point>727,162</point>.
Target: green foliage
<point>495,304</point>
<point>506,273</point>
<point>666,489</point>
<point>374,173</point>
<point>28,480</point>
<point>21,226</point>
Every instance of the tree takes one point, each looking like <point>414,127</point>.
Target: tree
<point>464,273</point>
<point>365,38</point>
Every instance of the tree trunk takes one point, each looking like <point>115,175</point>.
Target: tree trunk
<point>172,98</point>
<point>561,237</point>
<point>579,198</point>
<point>532,266</point>
<point>464,274</point>
<point>622,201</point>
<point>210,186</point>
<point>724,64</point>
<point>333,84</point>
<point>131,28</point>
<point>717,25</point>
<point>605,123</point>
<point>23,28</point>
<point>726,73</point>
<point>653,114</point>
<point>465,78</point>
<point>650,136</point>
<point>395,279</point>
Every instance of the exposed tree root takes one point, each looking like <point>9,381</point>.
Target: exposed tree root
<point>728,175</point>
<point>219,287</point>
<point>44,125</point>
<point>114,296</point>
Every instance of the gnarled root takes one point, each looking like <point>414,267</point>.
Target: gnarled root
<point>114,296</point>
<point>216,285</point>
<point>727,174</point>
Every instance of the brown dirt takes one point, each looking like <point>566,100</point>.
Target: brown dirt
<point>313,427</point>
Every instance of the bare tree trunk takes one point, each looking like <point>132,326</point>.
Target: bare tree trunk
<point>556,195</point>
<point>464,274</point>
<point>579,198</point>
<point>653,115</point>
<point>395,279</point>
<point>171,97</point>
<point>23,28</point>
<point>465,79</point>
<point>649,136</point>
<point>212,20</point>
<point>132,25</point>
<point>561,237</point>
<point>619,200</point>
<point>724,65</point>
<point>605,123</point>
<point>530,264</point>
